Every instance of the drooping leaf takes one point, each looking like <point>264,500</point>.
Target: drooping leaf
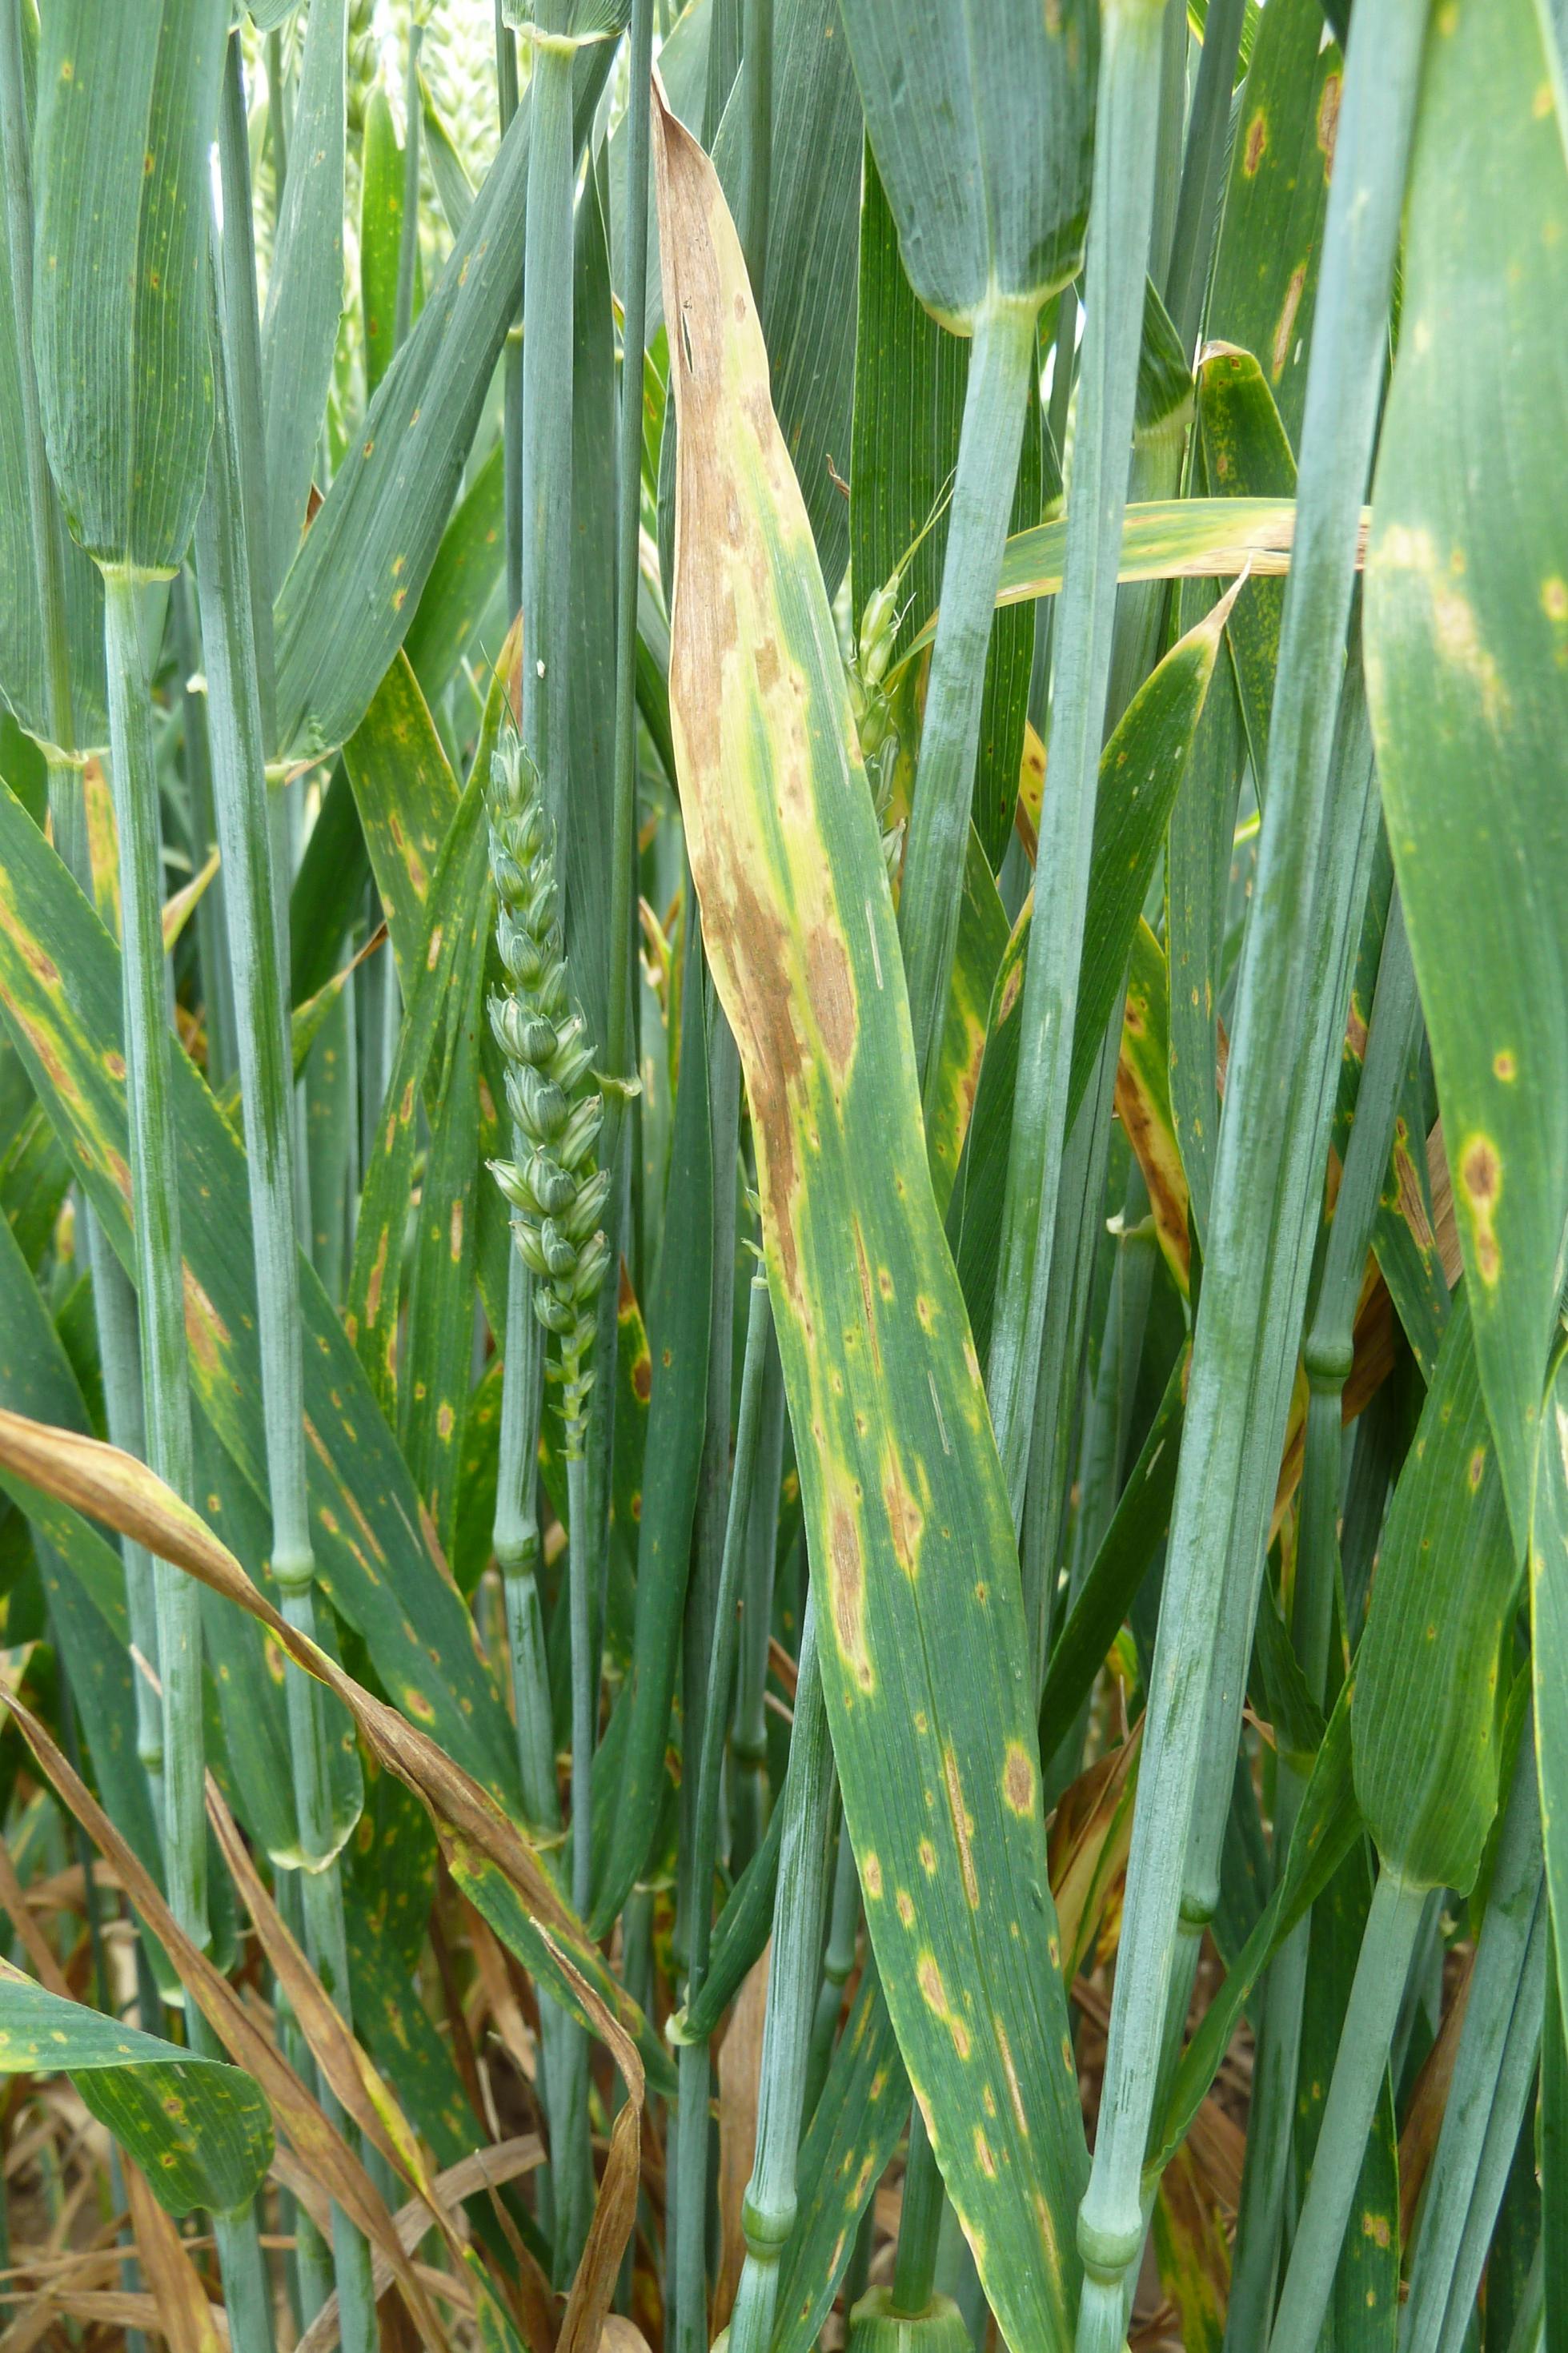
<point>198,2128</point>
<point>372,1554</point>
<point>1466,643</point>
<point>901,1484</point>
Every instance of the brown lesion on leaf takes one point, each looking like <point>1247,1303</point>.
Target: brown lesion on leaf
<point>905,1518</point>
<point>848,1578</point>
<point>962,1825</point>
<point>1480,1189</point>
<point>1018,1781</point>
<point>1256,142</point>
<point>1329,121</point>
<point>1285,326</point>
<point>206,1331</point>
<point>868,1303</point>
<point>830,986</point>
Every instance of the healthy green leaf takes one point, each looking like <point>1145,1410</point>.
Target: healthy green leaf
<point>127,109</point>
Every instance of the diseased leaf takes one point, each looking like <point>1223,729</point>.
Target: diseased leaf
<point>1466,663</point>
<point>901,1481</point>
<point>198,2129</point>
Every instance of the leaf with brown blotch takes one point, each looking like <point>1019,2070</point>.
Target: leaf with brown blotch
<point>912,1551</point>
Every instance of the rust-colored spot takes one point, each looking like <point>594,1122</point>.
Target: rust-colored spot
<point>377,1277</point>
<point>642,1377</point>
<point>1328,122</point>
<point>1256,141</point>
<point>962,1825</point>
<point>868,1303</point>
<point>1376,2227</point>
<point>1475,1469</point>
<point>1012,988</point>
<point>1018,1779</point>
<point>928,1858</point>
<point>983,2158</point>
<point>1481,1183</point>
<point>1504,1067</point>
<point>446,1422</point>
<point>871,1878</point>
<point>1285,328</point>
<point>1015,2090</point>
<point>115,1065</point>
<point>905,1519</point>
<point>832,990</point>
<point>906,1907</point>
<point>934,1995</point>
<point>205,1330</point>
<point>849,1597</point>
<point>456,1232</point>
<point>417,1705</point>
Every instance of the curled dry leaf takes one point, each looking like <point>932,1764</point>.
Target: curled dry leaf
<point>487,1854</point>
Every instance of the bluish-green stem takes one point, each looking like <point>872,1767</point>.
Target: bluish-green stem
<point>1079,1205</point>
<point>114,1298</point>
<point>1350,833</point>
<point>239,787</point>
<point>156,1216</point>
<point>690,2330</point>
<point>838,1960</point>
<point>120,1354</point>
<point>1383,1964</point>
<point>408,239</point>
<point>1000,365</point>
<point>165,1373</point>
<point>1515,2081</point>
<point>1203,170</point>
<point>1126,131</point>
<point>749,1723</point>
<point>242,316</point>
<point>585,1681</point>
<point>767,2214</point>
<point>1506,1985</point>
<point>1346,372</point>
<point>515,1541</point>
<point>1327,1356</point>
<point>512,366</point>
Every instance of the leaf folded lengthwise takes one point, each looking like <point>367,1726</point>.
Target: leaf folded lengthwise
<point>910,1531</point>
<point>198,2128</point>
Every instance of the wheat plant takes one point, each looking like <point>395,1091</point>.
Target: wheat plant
<point>783,1138</point>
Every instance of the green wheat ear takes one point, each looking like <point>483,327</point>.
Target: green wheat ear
<point>554,1183</point>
